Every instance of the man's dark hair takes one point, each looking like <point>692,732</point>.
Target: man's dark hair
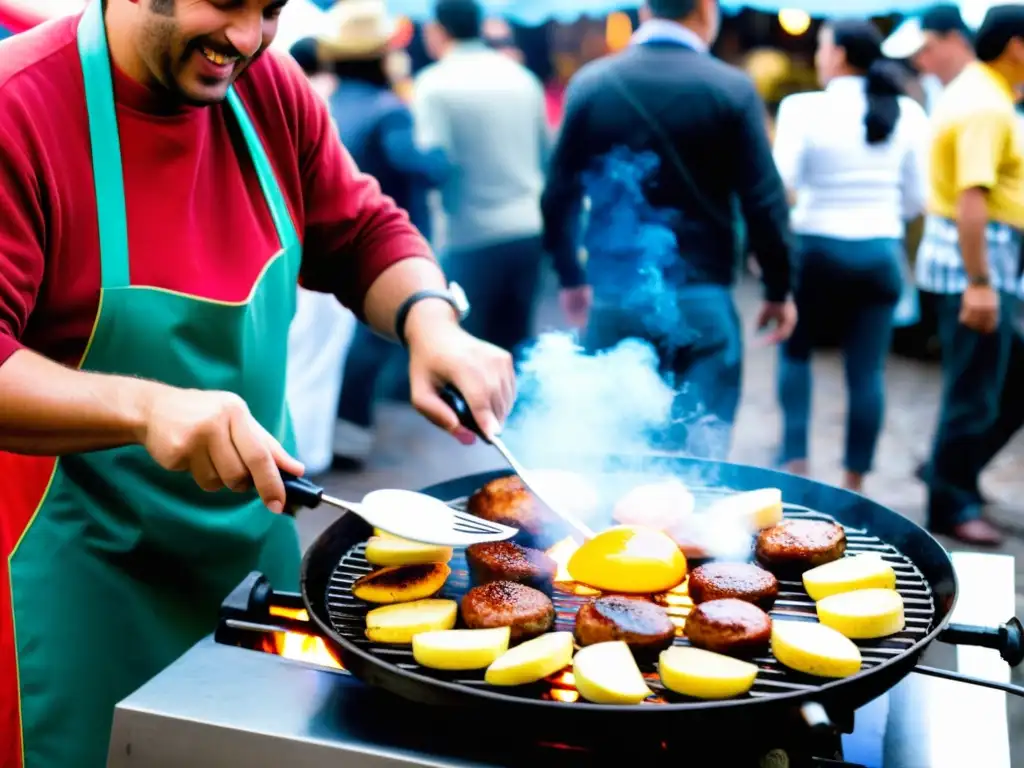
<point>461,19</point>
<point>944,20</point>
<point>671,9</point>
<point>1001,25</point>
<point>304,52</point>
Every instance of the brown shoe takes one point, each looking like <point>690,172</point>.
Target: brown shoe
<point>980,532</point>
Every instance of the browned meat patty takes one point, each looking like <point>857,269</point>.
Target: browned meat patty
<point>508,561</point>
<point>507,501</point>
<point>729,626</point>
<point>794,546</point>
<point>643,625</point>
<point>741,581</point>
<point>526,611</point>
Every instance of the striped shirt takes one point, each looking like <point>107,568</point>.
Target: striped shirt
<point>940,267</point>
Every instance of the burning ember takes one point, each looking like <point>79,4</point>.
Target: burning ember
<point>300,647</point>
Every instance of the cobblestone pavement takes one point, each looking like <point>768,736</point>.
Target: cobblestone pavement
<point>411,454</point>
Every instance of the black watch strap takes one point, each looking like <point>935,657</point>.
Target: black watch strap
<point>454,296</point>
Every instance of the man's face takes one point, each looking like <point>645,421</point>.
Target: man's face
<point>941,55</point>
<point>197,48</point>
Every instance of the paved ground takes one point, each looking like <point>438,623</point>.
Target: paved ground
<point>411,454</point>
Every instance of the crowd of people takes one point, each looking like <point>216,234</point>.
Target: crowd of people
<point>166,182</point>
<point>824,204</point>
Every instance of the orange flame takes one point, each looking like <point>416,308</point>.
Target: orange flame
<point>561,553</point>
<point>300,647</point>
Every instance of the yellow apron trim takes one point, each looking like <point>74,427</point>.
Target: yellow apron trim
<point>14,618</point>
<point>217,302</point>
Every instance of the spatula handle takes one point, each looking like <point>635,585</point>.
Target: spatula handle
<point>301,492</point>
<point>454,400</point>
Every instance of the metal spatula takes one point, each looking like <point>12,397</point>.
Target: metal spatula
<point>411,515</point>
<point>454,399</point>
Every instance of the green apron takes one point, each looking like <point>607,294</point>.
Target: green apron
<point>124,564</point>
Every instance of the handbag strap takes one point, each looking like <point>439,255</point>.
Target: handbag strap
<point>689,185</point>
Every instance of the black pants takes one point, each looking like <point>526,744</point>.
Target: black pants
<point>974,367</point>
<point>704,364</point>
<point>1011,404</point>
<point>501,284</point>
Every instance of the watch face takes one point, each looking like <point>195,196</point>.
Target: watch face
<point>459,297</point>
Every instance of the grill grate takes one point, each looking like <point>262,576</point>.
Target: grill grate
<point>348,616</point>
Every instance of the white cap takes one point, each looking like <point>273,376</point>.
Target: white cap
<point>905,41</point>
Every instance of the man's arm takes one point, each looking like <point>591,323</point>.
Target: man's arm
<point>979,146</point>
<point>762,196</point>
<point>560,202</point>
<point>359,245</point>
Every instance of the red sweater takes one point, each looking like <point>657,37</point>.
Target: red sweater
<point>197,220</point>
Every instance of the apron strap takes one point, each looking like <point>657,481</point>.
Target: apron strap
<point>265,172</point>
<point>107,172</point>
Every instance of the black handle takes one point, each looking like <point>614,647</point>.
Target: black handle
<point>454,400</point>
<point>301,492</point>
<point>1008,639</point>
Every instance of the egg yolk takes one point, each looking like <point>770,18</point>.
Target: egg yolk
<point>629,559</point>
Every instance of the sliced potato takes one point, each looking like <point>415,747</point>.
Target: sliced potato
<point>532,661</point>
<point>866,614</point>
<point>460,649</point>
<point>606,673</point>
<point>400,623</point>
<point>849,574</point>
<point>814,649</point>
<point>394,551</point>
<point>757,510</point>
<point>704,674</point>
<point>401,584</point>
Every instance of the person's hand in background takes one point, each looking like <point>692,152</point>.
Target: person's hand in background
<point>576,304</point>
<point>777,321</point>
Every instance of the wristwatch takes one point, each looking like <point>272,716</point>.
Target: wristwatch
<point>979,281</point>
<point>454,296</point>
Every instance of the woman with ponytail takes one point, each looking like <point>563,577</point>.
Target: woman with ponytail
<point>853,157</point>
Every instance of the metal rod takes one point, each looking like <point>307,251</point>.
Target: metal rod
<point>956,677</point>
<point>518,468</point>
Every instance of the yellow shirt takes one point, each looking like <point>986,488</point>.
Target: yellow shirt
<point>977,143</point>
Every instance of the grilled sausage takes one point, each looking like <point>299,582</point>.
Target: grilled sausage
<point>729,626</point>
<point>508,561</point>
<point>644,626</point>
<point>507,501</point>
<point>740,581</point>
<point>526,611</point>
<point>794,546</point>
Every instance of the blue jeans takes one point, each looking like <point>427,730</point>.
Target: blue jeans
<point>851,286</point>
<point>974,367</point>
<point>704,365</point>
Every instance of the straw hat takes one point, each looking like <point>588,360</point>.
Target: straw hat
<point>355,29</point>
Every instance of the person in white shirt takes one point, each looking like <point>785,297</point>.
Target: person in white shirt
<point>854,156</point>
<point>487,113</point>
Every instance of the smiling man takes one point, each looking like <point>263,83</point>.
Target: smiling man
<point>165,183</point>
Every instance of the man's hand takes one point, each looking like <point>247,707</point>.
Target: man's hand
<point>213,436</point>
<point>780,317</point>
<point>979,308</point>
<point>483,373</point>
<point>576,303</point>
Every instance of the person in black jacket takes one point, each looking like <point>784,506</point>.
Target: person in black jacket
<point>666,145</point>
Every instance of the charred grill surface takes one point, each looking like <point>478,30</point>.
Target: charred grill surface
<point>347,616</point>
